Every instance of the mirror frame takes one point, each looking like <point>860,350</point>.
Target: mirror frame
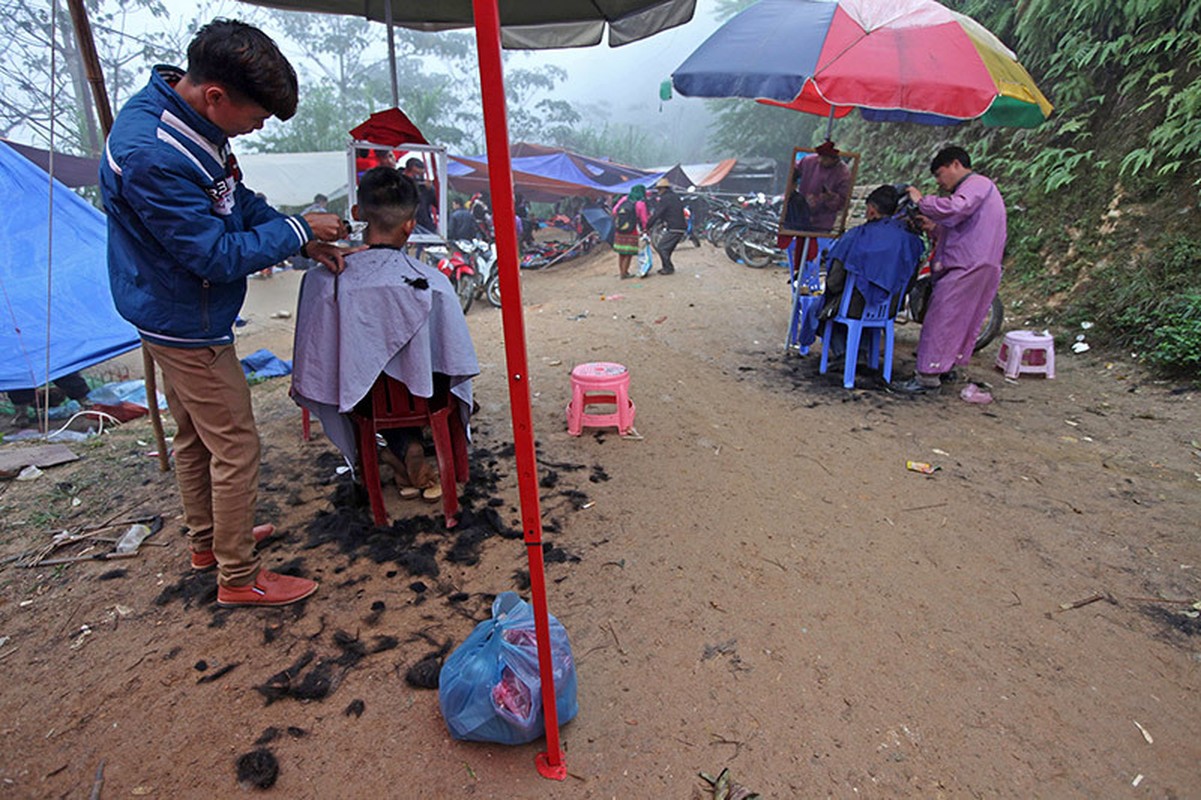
<point>841,222</point>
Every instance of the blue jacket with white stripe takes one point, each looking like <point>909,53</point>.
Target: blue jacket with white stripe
<point>183,232</point>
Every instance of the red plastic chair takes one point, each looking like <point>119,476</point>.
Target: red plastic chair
<point>389,405</point>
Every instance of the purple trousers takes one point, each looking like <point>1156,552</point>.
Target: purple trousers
<point>959,301</point>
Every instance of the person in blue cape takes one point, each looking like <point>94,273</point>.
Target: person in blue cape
<point>878,258</point>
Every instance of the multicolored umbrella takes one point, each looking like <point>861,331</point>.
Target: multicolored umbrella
<point>898,61</point>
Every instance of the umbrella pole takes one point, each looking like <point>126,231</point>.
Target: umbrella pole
<point>391,53</point>
<point>829,120</point>
<point>500,180</point>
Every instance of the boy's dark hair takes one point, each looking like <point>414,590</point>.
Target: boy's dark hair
<point>246,62</point>
<point>387,198</point>
<point>884,198</point>
<point>947,155</point>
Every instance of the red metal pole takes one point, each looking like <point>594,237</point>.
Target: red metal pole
<point>500,179</point>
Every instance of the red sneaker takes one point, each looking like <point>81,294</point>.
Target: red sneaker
<point>205,560</point>
<point>268,589</point>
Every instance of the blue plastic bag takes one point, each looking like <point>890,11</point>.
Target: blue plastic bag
<point>489,689</point>
<point>646,257</point>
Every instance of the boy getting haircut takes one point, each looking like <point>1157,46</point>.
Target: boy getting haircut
<point>387,198</point>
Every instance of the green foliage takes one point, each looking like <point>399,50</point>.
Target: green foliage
<point>34,99</point>
<point>1175,340</point>
<point>743,128</point>
<point>1152,305</point>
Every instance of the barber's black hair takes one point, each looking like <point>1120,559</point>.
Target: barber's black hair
<point>245,61</point>
<point>415,163</point>
<point>387,197</point>
<point>884,198</point>
<point>948,154</point>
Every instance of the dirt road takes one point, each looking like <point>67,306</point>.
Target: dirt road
<point>757,583</point>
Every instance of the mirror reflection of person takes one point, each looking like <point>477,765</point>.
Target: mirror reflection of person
<point>824,181</point>
<point>426,198</point>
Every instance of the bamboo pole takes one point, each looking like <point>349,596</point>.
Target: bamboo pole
<point>91,63</point>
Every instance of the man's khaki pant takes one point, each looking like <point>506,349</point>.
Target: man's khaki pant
<point>216,454</point>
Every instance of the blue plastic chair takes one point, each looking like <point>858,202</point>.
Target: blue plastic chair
<point>802,329</point>
<point>876,319</point>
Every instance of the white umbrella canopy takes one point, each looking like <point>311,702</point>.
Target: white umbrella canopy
<point>522,24</point>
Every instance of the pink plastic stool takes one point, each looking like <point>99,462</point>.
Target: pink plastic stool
<point>596,383</point>
<point>1027,351</point>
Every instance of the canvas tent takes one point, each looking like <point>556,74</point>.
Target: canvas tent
<point>293,179</point>
<point>548,173</point>
<point>74,171</point>
<point>84,327</point>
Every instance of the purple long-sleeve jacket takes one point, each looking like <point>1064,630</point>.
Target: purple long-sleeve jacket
<point>972,225</point>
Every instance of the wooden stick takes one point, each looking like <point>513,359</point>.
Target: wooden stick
<point>156,420</point>
<point>1081,603</point>
<point>76,559</point>
<point>98,783</point>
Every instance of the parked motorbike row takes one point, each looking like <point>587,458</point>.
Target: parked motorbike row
<point>744,229</point>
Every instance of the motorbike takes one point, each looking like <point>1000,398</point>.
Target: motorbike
<point>913,308</point>
<point>458,266</point>
<point>486,265</point>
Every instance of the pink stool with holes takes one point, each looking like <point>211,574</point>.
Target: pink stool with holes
<point>1027,351</point>
<point>601,382</point>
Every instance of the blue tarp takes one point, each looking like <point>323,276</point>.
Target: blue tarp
<point>85,328</point>
<point>265,364</point>
<point>554,174</point>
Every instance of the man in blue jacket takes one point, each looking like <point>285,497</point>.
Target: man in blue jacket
<point>183,234</point>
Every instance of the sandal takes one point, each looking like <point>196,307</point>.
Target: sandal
<point>432,494</point>
<point>408,492</point>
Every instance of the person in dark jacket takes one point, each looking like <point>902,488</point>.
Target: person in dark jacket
<point>670,211</point>
<point>427,199</point>
<point>183,235</point>
<point>462,224</point>
<point>522,209</point>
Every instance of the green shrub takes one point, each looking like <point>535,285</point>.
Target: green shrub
<point>1154,304</point>
<point>1175,341</point>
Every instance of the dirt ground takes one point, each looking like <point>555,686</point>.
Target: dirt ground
<point>756,583</point>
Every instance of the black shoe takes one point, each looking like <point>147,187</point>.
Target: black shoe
<point>949,377</point>
<point>667,271</point>
<point>914,386</point>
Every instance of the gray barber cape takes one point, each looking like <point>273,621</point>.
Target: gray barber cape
<point>386,313</point>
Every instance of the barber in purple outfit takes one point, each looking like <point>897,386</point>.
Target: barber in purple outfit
<point>969,227</point>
